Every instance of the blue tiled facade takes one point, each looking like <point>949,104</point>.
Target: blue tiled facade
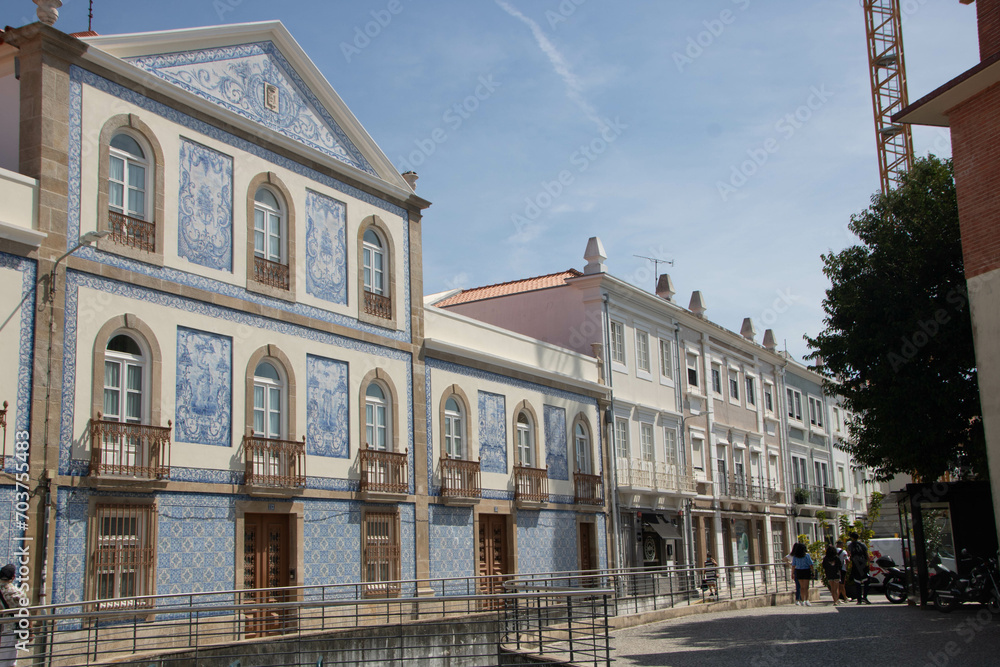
<point>452,541</point>
<point>555,443</point>
<point>546,541</point>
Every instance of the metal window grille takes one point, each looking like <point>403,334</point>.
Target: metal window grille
<point>381,552</point>
<point>122,550</point>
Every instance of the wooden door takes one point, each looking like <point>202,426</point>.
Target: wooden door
<point>588,555</point>
<point>266,566</point>
<point>493,561</point>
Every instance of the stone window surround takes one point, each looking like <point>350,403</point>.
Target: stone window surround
<point>581,418</point>
<point>144,134</point>
<point>272,354</point>
<point>271,181</point>
<point>389,254</point>
<point>380,376</point>
<point>144,336</point>
<point>463,402</point>
<point>524,406</point>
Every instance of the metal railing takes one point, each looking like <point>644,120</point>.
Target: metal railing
<point>460,479</point>
<point>831,496</point>
<point>656,476</point>
<point>341,624</point>
<point>378,305</point>
<point>531,484</point>
<point>809,494</point>
<point>272,274</point>
<point>589,489</point>
<point>274,463</point>
<point>120,449</point>
<point>383,471</point>
<point>132,232</point>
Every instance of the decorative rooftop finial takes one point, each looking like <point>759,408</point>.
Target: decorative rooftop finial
<point>769,342</point>
<point>697,305</point>
<point>411,179</point>
<point>595,256</point>
<point>48,11</point>
<point>748,330</point>
<point>665,287</point>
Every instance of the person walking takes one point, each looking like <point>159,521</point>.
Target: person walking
<point>711,577</point>
<point>832,569</point>
<point>10,598</point>
<point>859,567</point>
<point>802,565</point>
<point>842,554</point>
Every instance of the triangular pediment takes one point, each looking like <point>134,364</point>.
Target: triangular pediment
<point>257,82</point>
<point>260,73</point>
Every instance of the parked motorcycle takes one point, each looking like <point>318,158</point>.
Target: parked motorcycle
<point>982,585</point>
<point>894,583</point>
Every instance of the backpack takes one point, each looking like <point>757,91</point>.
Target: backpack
<point>859,557</point>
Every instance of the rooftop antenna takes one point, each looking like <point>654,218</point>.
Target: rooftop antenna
<point>90,16</point>
<point>656,266</point>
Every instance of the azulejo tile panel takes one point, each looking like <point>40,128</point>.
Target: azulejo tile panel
<point>452,541</point>
<point>555,443</point>
<point>234,77</point>
<point>204,388</point>
<point>26,352</point>
<point>326,248</point>
<point>546,541</point>
<point>492,433</point>
<point>327,407</point>
<point>80,77</point>
<point>205,207</point>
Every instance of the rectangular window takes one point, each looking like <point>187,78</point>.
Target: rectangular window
<point>768,398</point>
<point>720,463</point>
<point>380,555</point>
<point>836,420</point>
<point>617,342</point>
<point>816,412</point>
<point>646,442</point>
<point>800,476</point>
<point>716,378</point>
<point>642,350</point>
<point>670,445</point>
<point>821,474</point>
<point>666,359</point>
<point>794,404</point>
<point>122,550</point>
<point>841,478</point>
<point>692,368</point>
<point>698,452</point>
<point>751,391</point>
<point>734,385</point>
<point>621,437</point>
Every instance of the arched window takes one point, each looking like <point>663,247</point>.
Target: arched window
<point>377,427</point>
<point>268,401</point>
<point>374,263</point>
<point>581,439</point>
<point>124,381</point>
<point>525,440</point>
<point>454,429</point>
<point>128,177</point>
<point>268,227</point>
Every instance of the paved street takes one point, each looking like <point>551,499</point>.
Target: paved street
<point>878,634</point>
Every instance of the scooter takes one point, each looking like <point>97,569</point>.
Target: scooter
<point>894,583</point>
<point>983,584</point>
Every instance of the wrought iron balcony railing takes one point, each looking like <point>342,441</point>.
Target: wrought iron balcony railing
<point>656,476</point>
<point>378,305</point>
<point>279,464</point>
<point>120,449</point>
<point>531,484</point>
<point>272,274</point>
<point>809,494</point>
<point>383,471</point>
<point>132,232</point>
<point>460,479</point>
<point>589,489</point>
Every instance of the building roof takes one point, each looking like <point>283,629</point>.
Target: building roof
<point>512,287</point>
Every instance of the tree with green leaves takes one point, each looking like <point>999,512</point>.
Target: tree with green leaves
<point>898,339</point>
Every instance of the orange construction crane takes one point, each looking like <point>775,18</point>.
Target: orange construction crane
<point>888,79</point>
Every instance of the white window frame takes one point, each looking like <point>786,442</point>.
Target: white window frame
<point>647,442</point>
<point>374,262</point>
<point>751,390</point>
<point>617,336</point>
<point>642,361</point>
<point>794,403</point>
<point>734,386</point>
<point>691,360</point>
<point>769,397</point>
<point>621,438</point>
<point>525,439</point>
<point>716,372</point>
<point>800,471</point>
<point>698,452</point>
<point>816,412</point>
<point>129,160</point>
<point>267,389</point>
<point>378,419</point>
<point>454,429</point>
<point>672,454</point>
<point>822,471</point>
<point>125,362</point>
<point>666,360</point>
<point>264,232</point>
<point>581,441</point>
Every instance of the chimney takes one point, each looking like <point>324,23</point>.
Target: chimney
<point>48,11</point>
<point>697,305</point>
<point>769,342</point>
<point>595,256</point>
<point>748,330</point>
<point>665,287</point>
<point>988,20</point>
<point>411,179</point>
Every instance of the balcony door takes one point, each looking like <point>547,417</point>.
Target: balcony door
<point>493,559</point>
<point>124,401</point>
<point>266,558</point>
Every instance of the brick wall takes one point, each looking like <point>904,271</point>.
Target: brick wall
<point>988,16</point>
<point>975,138</point>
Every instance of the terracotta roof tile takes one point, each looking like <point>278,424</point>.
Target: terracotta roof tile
<point>512,287</point>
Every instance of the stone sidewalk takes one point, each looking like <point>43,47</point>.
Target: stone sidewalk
<point>787,635</point>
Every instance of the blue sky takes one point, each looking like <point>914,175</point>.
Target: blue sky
<point>535,125</point>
